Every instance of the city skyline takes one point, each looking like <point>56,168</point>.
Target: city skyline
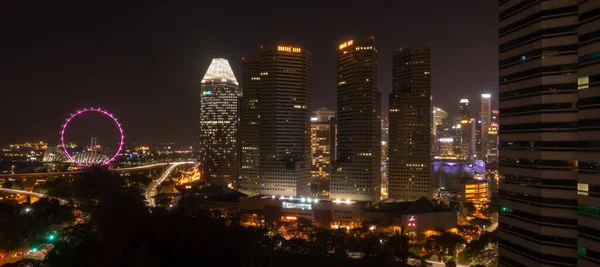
<point>36,69</point>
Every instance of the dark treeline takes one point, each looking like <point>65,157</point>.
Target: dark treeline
<point>120,230</point>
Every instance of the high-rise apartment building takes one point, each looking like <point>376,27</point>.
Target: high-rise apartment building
<point>320,136</point>
<point>356,173</point>
<point>409,167</point>
<point>280,84</point>
<point>549,125</point>
<point>219,123</point>
<point>486,119</point>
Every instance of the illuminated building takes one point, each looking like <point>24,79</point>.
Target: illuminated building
<point>219,123</point>
<point>322,115</point>
<point>277,100</point>
<point>385,139</point>
<point>491,155</point>
<point>356,173</point>
<point>549,53</point>
<point>409,166</point>
<point>440,129</point>
<point>445,149</point>
<point>440,118</point>
<point>485,116</point>
<point>320,135</point>
<point>476,191</point>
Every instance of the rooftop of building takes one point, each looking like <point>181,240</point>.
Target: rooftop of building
<point>400,207</point>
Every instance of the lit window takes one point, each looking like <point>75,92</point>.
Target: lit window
<point>583,82</point>
<point>582,189</point>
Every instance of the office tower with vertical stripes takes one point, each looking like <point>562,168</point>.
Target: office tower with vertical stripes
<point>409,165</point>
<point>356,173</point>
<point>276,113</point>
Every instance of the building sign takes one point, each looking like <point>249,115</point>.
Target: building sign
<point>346,44</point>
<point>207,93</point>
<point>289,49</point>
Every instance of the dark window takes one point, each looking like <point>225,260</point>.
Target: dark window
<point>546,51</point>
<point>563,30</point>
<point>550,88</point>
<point>536,200</point>
<point>589,36</point>
<point>540,108</point>
<point>547,70</point>
<point>590,14</point>
<point>534,255</point>
<point>539,126</point>
<point>589,57</point>
<point>544,13</point>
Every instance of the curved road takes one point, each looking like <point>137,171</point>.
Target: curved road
<point>31,194</point>
<point>151,189</point>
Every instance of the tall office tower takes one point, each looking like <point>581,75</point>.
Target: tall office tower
<point>588,134</point>
<point>478,140</point>
<point>409,167</point>
<point>219,123</point>
<point>280,84</point>
<point>440,117</point>
<point>320,136</point>
<point>468,138</point>
<point>492,139</point>
<point>538,135</point>
<point>356,174</point>
<point>464,109</point>
<point>485,117</point>
<point>250,128</point>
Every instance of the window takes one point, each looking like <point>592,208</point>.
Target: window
<point>583,82</point>
<point>581,251</point>
<point>582,189</point>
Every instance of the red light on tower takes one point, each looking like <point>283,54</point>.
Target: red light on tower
<point>261,47</point>
<point>372,37</point>
<point>243,58</point>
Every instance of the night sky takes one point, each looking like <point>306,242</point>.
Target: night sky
<point>144,62</point>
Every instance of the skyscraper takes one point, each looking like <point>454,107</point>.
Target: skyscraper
<point>409,166</point>
<point>485,117</point>
<point>464,108</point>
<point>544,124</point>
<point>356,174</point>
<point>219,123</point>
<point>250,128</point>
<point>280,83</point>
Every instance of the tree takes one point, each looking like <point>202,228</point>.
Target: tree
<point>444,245</point>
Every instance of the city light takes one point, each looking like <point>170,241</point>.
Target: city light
<point>486,95</point>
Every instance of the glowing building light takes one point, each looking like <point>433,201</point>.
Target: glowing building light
<point>464,100</point>
<point>219,71</point>
<point>346,44</point>
<point>486,95</point>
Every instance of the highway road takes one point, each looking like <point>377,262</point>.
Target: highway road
<point>149,166</point>
<point>151,189</point>
<point>31,194</point>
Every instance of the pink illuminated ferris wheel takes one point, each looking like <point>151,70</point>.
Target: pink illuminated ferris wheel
<point>81,112</point>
